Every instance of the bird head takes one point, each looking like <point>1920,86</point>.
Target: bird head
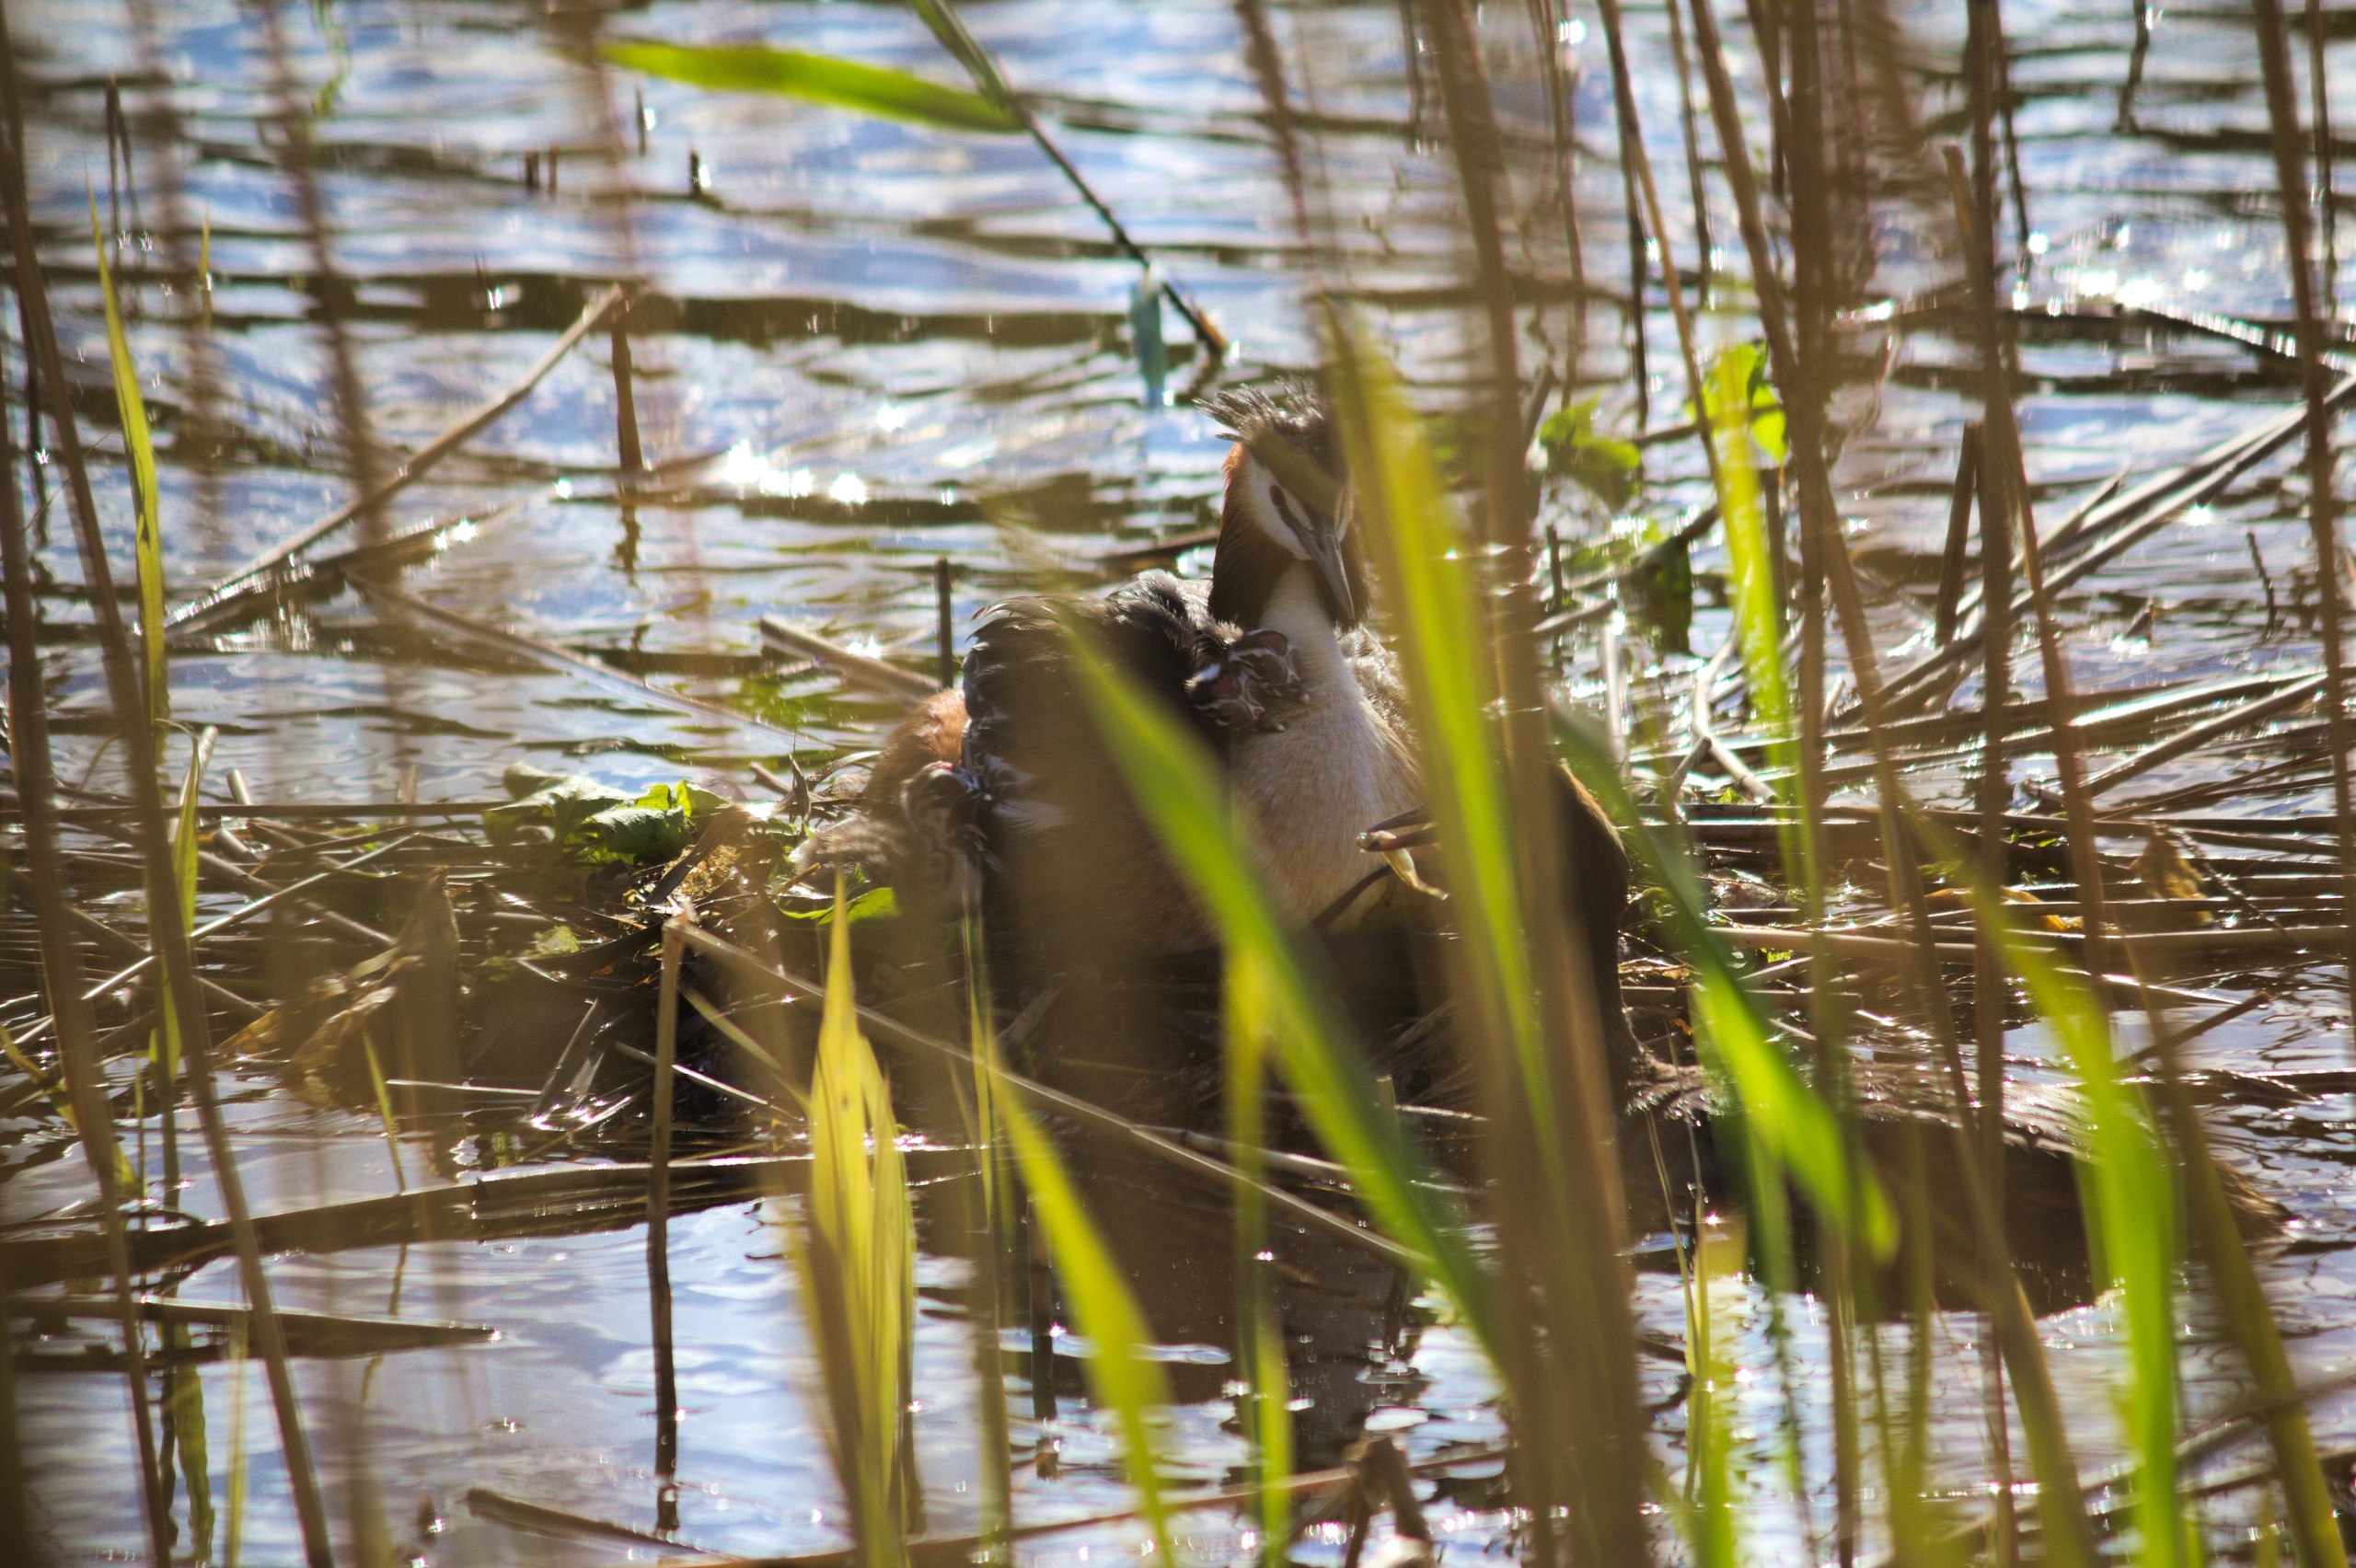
<point>1288,504</point>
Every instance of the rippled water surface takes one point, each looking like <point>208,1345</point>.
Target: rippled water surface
<point>865,346</point>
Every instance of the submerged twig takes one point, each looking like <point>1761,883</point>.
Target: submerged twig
<point>415,467</point>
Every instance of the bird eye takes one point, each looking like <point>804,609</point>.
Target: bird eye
<point>1283,503</point>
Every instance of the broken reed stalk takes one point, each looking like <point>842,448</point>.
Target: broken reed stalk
<point>198,614</point>
<point>1571,1252</point>
<point>1562,124</point>
<point>361,455</point>
<point>1055,1102</point>
<point>2013,505</point>
<point>47,881</point>
<point>1641,166</point>
<point>2323,522</point>
<point>658,1200</point>
<point>2314,1532</point>
<point>941,16</point>
<point>2060,1499</point>
<point>137,742</point>
<point>1958,541</point>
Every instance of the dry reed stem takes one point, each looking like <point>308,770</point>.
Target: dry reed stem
<point>1051,1101</point>
<point>2025,1351</point>
<point>30,761</point>
<point>363,459</point>
<point>658,1198</point>
<point>1584,1286</point>
<point>1632,151</point>
<point>204,382</point>
<point>1641,165</point>
<point>197,614</point>
<point>2314,1533</point>
<point>2010,504</point>
<point>1959,540</point>
<point>137,742</point>
<point>2323,522</point>
<point>1562,125</point>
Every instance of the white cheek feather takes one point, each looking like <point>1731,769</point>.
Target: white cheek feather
<point>1260,504</point>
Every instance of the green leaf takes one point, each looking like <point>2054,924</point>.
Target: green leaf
<point>2132,1225</point>
<point>1122,1377</point>
<point>856,1256</point>
<point>1177,785</point>
<point>816,78</point>
<point>139,444</point>
<point>1791,1121</point>
<point>1609,470</point>
<point>596,823</point>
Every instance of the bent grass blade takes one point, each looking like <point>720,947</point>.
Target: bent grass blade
<point>1122,1376</point>
<point>856,1256</point>
<point>2131,1224</point>
<point>815,78</point>
<point>138,442</point>
<point>1175,783</point>
<point>1790,1119</point>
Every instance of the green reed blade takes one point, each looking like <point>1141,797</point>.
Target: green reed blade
<point>1427,557</point>
<point>1267,1417</point>
<point>1176,784</point>
<point>164,1049</point>
<point>2134,1221</point>
<point>233,1533</point>
<point>184,1408</point>
<point>1792,1121</point>
<point>138,442</point>
<point>856,1256</point>
<point>816,78</point>
<point>1711,1525</point>
<point>1122,1376</point>
<point>2131,1224</point>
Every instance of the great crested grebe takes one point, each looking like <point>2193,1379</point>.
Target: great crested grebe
<point>1270,661</point>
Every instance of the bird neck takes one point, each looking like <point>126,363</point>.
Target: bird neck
<point>1294,607</point>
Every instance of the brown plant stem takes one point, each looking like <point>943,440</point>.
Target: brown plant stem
<point>658,1202</point>
<point>2249,1317</point>
<point>361,455</point>
<point>1640,166</point>
<point>137,742</point>
<point>47,879</point>
<point>1574,1251</point>
<point>2322,521</point>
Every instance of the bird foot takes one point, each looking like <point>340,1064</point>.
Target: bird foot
<point>1255,685</point>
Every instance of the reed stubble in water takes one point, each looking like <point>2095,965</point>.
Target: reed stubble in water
<point>137,744</point>
<point>2323,502</point>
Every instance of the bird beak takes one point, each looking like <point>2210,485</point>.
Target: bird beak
<point>1325,546</point>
